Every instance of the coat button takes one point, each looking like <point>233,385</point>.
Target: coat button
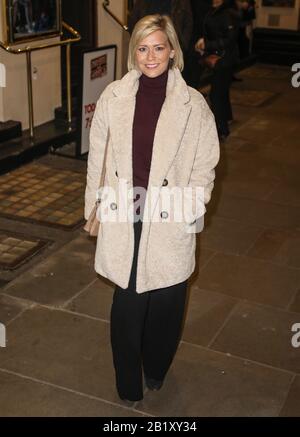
<point>113,206</point>
<point>165,182</point>
<point>164,215</point>
<point>116,173</point>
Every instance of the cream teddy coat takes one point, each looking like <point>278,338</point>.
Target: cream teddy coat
<point>185,153</point>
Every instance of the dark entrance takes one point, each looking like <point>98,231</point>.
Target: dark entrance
<point>82,15</point>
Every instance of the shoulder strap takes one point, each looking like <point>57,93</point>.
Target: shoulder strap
<point>102,176</point>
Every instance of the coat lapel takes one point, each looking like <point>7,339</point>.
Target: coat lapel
<point>169,130</point>
<point>121,115</point>
<point>168,135</point>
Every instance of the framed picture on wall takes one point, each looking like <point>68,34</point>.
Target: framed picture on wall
<point>32,19</point>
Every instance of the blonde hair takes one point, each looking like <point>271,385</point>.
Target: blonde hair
<point>150,24</point>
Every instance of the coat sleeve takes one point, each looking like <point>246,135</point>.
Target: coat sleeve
<point>206,159</point>
<point>98,140</point>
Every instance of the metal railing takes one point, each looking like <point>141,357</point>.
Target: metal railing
<point>28,50</point>
<point>106,5</point>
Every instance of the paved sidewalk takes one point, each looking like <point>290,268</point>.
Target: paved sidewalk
<point>236,356</point>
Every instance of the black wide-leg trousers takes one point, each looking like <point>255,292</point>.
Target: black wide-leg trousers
<point>220,98</point>
<point>145,330</point>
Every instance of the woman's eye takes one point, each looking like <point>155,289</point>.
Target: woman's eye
<point>143,49</point>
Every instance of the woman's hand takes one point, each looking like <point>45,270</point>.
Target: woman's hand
<point>200,45</point>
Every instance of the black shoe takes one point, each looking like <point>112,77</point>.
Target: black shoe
<point>223,138</point>
<point>153,384</point>
<point>236,79</point>
<point>130,400</point>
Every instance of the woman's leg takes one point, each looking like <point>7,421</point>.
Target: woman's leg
<point>219,97</point>
<point>229,114</point>
<point>162,329</point>
<point>127,321</point>
<point>217,102</point>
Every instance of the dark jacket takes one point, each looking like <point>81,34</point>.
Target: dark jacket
<point>249,14</point>
<point>200,9</point>
<point>220,29</point>
<point>181,15</point>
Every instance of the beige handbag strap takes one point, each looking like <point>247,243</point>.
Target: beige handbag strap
<point>102,176</point>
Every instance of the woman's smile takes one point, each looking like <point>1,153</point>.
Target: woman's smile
<point>151,66</point>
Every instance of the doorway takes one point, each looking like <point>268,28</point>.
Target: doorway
<point>82,15</point>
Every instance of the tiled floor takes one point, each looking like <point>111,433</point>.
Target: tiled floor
<point>236,357</point>
<point>250,97</point>
<point>16,248</point>
<point>40,193</point>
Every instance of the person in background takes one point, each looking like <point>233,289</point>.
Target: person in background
<point>247,14</point>
<point>221,29</point>
<point>159,135</point>
<point>194,69</point>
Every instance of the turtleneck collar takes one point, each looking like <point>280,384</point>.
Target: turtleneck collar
<point>154,84</point>
<point>177,88</point>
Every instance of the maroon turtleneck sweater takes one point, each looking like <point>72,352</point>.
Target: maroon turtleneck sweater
<point>149,100</point>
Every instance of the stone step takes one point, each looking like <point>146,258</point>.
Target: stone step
<point>9,130</point>
<point>281,47</point>
<point>61,113</point>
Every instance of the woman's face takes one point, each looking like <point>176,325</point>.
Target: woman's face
<point>153,54</point>
<point>217,3</point>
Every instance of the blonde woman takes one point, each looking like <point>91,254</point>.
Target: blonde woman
<point>160,136</point>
